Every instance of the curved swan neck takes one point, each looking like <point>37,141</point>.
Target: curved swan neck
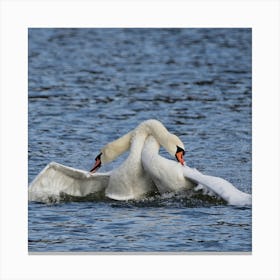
<point>153,127</point>
<point>151,146</point>
<point>115,148</point>
<point>135,140</point>
<point>160,133</point>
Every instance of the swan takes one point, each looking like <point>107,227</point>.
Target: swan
<point>166,174</point>
<point>170,176</point>
<point>129,180</point>
<point>143,171</point>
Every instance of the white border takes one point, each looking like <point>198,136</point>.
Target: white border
<point>17,16</point>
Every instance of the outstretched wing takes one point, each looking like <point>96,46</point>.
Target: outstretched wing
<point>220,186</point>
<point>56,178</point>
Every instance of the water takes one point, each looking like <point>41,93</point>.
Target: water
<point>89,86</point>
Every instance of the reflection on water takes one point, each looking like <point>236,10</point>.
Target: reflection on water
<point>90,86</point>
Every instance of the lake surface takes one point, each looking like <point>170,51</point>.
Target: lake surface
<point>89,86</point>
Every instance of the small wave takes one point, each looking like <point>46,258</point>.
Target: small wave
<point>204,82</point>
<point>186,198</point>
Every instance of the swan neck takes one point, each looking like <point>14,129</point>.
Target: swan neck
<point>135,139</point>
<point>114,149</point>
<point>160,133</point>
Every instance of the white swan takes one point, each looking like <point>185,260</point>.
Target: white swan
<point>171,176</point>
<point>139,174</point>
<point>128,181</point>
<point>166,174</point>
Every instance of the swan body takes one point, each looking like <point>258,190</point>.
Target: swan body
<point>129,180</point>
<point>143,171</point>
<point>166,174</point>
<point>171,176</point>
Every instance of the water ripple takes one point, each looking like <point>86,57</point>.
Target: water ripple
<point>89,86</point>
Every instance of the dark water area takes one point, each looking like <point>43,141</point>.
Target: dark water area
<point>88,87</point>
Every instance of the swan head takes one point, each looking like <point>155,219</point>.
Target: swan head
<point>97,164</point>
<point>169,141</point>
<point>176,148</point>
<point>111,151</point>
<point>106,155</point>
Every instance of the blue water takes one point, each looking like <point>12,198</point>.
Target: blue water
<point>89,86</point>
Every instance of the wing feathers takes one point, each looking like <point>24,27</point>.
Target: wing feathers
<point>221,187</point>
<point>56,178</point>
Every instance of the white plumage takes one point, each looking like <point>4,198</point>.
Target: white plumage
<point>143,171</point>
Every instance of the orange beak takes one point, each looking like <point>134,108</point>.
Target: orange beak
<point>97,164</point>
<point>180,157</point>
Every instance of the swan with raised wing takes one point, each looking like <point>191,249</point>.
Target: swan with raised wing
<point>143,171</point>
<point>127,181</point>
